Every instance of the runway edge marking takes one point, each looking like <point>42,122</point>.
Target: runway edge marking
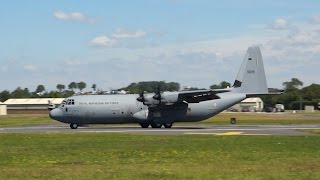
<point>232,133</point>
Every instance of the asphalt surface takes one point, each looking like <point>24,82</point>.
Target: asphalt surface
<point>219,130</point>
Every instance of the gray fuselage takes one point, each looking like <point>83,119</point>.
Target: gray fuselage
<point>117,109</point>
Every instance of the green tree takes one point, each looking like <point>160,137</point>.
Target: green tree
<point>225,84</point>
<point>5,95</point>
<point>54,94</point>
<point>151,86</point>
<point>172,86</point>
<point>20,93</point>
<point>40,88</point>
<point>311,92</point>
<point>81,85</point>
<point>72,86</point>
<point>215,86</point>
<point>291,98</point>
<point>61,87</point>
<point>94,86</point>
<point>292,85</point>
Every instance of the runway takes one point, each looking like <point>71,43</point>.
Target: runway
<point>217,130</point>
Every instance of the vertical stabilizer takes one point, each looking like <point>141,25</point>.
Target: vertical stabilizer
<point>251,78</point>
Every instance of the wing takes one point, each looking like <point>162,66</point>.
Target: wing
<point>200,95</point>
<point>171,98</point>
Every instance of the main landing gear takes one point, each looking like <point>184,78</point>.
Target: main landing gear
<point>154,125</point>
<point>74,126</point>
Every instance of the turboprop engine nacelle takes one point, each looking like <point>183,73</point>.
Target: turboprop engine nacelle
<point>162,98</point>
<point>141,115</point>
<point>169,97</point>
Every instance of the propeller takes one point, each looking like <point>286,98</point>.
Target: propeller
<point>147,100</point>
<point>51,105</point>
<point>141,97</point>
<point>157,95</point>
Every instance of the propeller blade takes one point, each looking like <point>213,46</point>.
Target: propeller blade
<point>51,105</point>
<point>141,97</point>
<point>157,95</point>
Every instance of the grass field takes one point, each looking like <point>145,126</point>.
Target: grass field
<point>121,156</point>
<point>313,131</point>
<point>265,118</point>
<point>220,119</point>
<point>24,120</point>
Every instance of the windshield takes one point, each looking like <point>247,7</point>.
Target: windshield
<point>67,102</point>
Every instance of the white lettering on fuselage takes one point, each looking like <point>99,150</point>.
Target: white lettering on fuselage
<point>98,103</point>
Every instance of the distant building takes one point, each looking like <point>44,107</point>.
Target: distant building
<point>31,105</point>
<point>249,105</point>
<point>3,109</point>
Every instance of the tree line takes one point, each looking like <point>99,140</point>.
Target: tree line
<point>40,91</point>
<point>151,86</point>
<point>294,97</point>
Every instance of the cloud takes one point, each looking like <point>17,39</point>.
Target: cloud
<point>279,23</point>
<point>123,34</point>
<point>73,16</point>
<point>293,52</point>
<point>30,67</point>
<point>4,68</point>
<point>120,37</point>
<point>316,19</point>
<point>103,41</point>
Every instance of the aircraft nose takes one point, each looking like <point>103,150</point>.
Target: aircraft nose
<point>56,114</point>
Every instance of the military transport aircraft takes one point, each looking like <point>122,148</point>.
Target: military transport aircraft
<point>164,108</point>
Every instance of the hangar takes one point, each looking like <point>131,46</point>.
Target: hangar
<point>30,105</point>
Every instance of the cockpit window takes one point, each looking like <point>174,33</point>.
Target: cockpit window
<point>70,102</point>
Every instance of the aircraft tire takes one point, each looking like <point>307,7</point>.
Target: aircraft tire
<point>167,125</point>
<point>73,126</point>
<point>144,125</point>
<point>154,125</point>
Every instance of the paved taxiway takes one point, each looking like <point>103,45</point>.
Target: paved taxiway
<point>289,130</point>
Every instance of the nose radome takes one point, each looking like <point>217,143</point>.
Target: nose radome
<point>56,114</point>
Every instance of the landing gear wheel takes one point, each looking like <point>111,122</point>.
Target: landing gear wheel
<point>154,125</point>
<point>73,126</point>
<point>167,125</point>
<point>144,125</point>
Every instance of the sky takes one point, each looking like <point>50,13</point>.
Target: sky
<point>114,43</point>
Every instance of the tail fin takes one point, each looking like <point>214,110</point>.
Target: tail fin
<point>251,78</point>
